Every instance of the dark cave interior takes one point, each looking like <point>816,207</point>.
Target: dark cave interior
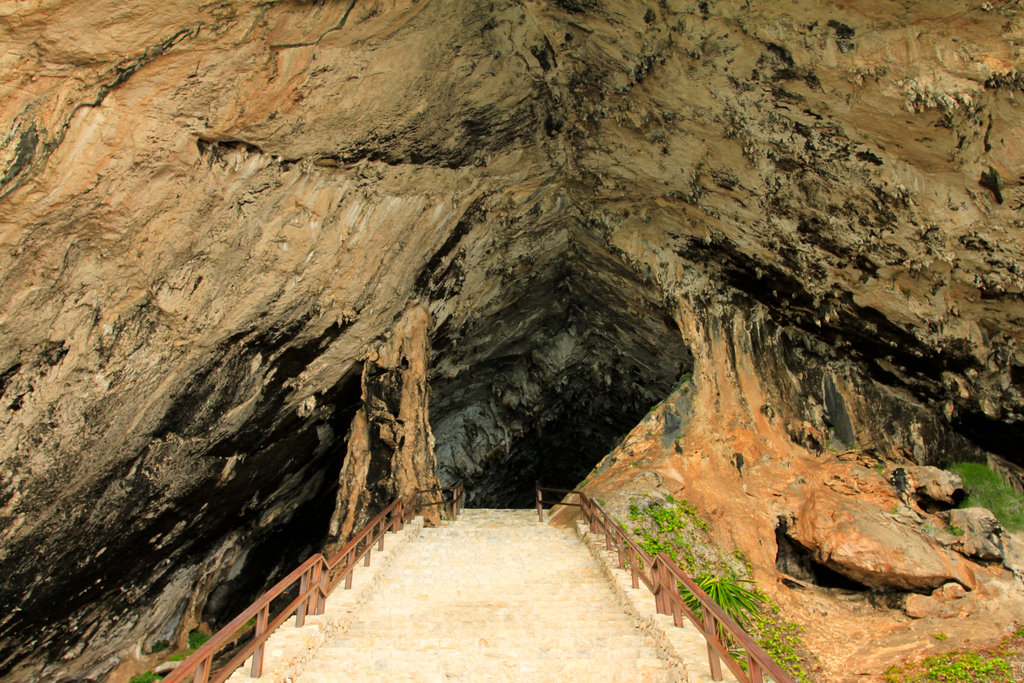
<point>552,377</point>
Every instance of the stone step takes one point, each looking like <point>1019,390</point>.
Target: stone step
<point>524,641</point>
<point>423,652</point>
<point>512,672</point>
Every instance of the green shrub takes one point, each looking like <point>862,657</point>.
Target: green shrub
<point>731,593</point>
<point>147,677</point>
<point>780,639</point>
<point>987,489</point>
<point>196,640</point>
<point>159,646</point>
<point>675,528</point>
<point>953,667</point>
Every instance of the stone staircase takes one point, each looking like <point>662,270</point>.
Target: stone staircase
<point>493,597</point>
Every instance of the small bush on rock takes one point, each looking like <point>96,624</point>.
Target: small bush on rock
<point>987,489</point>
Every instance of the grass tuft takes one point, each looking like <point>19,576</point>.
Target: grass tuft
<point>196,640</point>
<point>147,677</point>
<point>987,489</point>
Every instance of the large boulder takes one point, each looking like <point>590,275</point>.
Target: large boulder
<point>868,545</point>
<point>931,488</point>
<point>975,532</point>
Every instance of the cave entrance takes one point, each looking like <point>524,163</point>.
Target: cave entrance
<point>545,381</point>
<point>794,560</point>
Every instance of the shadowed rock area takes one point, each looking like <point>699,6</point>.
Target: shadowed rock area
<point>267,265</point>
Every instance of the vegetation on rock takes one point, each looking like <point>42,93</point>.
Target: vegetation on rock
<point>675,528</point>
<point>1001,664</point>
<point>147,677</point>
<point>987,489</point>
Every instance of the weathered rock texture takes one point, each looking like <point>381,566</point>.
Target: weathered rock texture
<point>215,216</point>
<point>390,446</point>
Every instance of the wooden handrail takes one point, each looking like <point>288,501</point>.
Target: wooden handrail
<point>315,584</point>
<point>458,499</point>
<point>662,577</point>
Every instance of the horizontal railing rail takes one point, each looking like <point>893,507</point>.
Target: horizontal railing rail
<point>662,576</point>
<point>316,578</point>
<point>457,500</point>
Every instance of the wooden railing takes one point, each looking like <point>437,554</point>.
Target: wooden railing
<point>455,504</point>
<point>663,578</point>
<point>317,577</point>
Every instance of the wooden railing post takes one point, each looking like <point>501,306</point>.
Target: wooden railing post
<point>754,670</point>
<point>203,671</point>
<point>656,579</point>
<point>257,655</point>
<point>350,569</point>
<point>300,615</point>
<point>710,631</point>
<point>321,579</point>
<point>540,505</point>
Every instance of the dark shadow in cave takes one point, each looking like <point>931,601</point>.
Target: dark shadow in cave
<point>796,561</point>
<point>549,378</point>
<point>276,551</point>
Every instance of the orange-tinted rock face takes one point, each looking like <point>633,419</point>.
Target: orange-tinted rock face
<point>213,216</point>
<point>854,544</point>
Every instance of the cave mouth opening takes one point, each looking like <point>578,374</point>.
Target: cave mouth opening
<point>794,560</point>
<point>545,382</point>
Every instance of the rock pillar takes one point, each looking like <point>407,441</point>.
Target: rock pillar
<point>390,446</point>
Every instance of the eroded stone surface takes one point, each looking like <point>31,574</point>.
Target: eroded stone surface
<point>869,546</point>
<point>976,533</point>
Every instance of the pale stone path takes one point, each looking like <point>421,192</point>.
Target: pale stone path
<point>493,597</point>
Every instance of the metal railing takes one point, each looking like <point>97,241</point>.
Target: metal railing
<point>317,577</point>
<point>663,577</point>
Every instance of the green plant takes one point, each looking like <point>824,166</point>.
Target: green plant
<point>147,677</point>
<point>675,528</point>
<point>780,639</point>
<point>953,667</point>
<point>731,593</point>
<point>955,530</point>
<point>159,646</point>
<point>995,664</point>
<point>987,489</point>
<point>196,640</point>
<point>939,636</point>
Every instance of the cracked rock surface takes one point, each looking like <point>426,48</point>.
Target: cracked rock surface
<point>217,219</point>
